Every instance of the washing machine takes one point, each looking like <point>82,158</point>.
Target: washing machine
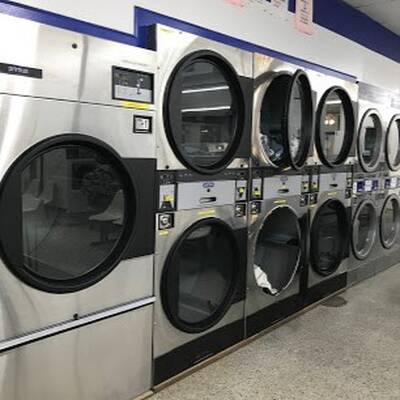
<point>200,268</point>
<point>367,205</point>
<point>77,211</point>
<point>335,122</point>
<point>283,115</point>
<point>204,94</point>
<point>329,241</point>
<point>278,231</point>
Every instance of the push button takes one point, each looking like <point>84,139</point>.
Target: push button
<point>165,221</point>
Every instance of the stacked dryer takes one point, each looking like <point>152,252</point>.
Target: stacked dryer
<point>330,202</point>
<point>76,203</point>
<point>203,140</point>
<point>281,144</point>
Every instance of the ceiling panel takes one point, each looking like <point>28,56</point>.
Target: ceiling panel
<point>386,12</point>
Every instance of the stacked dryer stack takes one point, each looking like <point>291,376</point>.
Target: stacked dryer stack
<point>203,142</point>
<point>76,204</point>
<point>281,146</point>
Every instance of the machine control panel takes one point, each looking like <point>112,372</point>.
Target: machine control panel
<point>304,200</point>
<point>391,183</point>
<point>255,207</point>
<point>165,221</point>
<point>314,183</point>
<point>142,124</point>
<point>257,189</point>
<point>305,184</point>
<point>241,190</point>
<point>313,199</point>
<point>240,210</point>
<point>167,197</point>
<point>131,85</point>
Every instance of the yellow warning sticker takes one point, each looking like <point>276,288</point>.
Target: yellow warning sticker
<point>282,201</point>
<point>164,233</point>
<point>137,106</point>
<point>208,211</point>
<point>332,194</point>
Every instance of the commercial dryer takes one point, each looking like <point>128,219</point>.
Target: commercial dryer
<point>76,205</point>
<point>200,268</point>
<point>278,231</point>
<point>283,113</point>
<point>335,121</point>
<point>367,203</point>
<point>204,94</point>
<point>329,246</point>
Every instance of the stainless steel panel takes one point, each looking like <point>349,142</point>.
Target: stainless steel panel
<point>75,66</point>
<point>332,181</point>
<point>282,186</point>
<point>24,121</point>
<point>205,194</point>
<point>256,299</point>
<point>106,360</point>
<point>166,336</point>
<point>172,46</point>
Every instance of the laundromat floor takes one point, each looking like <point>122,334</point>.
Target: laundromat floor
<point>348,348</point>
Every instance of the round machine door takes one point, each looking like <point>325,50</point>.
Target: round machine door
<point>393,144</point>
<point>390,221</point>
<point>334,127</point>
<point>286,120</point>
<point>200,276</point>
<point>364,229</point>
<point>64,206</point>
<point>277,251</point>
<point>370,140</point>
<point>204,112</point>
<point>329,237</point>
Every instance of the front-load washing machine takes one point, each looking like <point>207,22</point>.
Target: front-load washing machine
<point>283,113</point>
<point>77,212</point>
<point>278,230</point>
<point>200,269</point>
<point>204,94</point>
<point>367,203</point>
<point>335,121</point>
<point>329,241</point>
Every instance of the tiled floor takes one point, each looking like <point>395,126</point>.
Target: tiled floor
<point>349,352</point>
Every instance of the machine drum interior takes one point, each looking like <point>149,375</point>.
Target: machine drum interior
<point>286,120</point>
<point>200,276</point>
<point>203,113</point>
<point>370,140</point>
<point>390,221</point>
<point>277,251</point>
<point>334,127</point>
<point>393,144</point>
<point>329,237</point>
<point>364,229</point>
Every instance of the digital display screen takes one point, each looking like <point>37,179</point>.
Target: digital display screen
<point>132,85</point>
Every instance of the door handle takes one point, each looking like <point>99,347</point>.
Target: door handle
<point>208,200</point>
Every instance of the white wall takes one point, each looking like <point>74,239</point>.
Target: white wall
<point>253,22</point>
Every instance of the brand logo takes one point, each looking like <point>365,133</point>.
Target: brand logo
<point>284,179</point>
<point>208,185</point>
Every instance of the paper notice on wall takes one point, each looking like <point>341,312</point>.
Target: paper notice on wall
<point>304,16</point>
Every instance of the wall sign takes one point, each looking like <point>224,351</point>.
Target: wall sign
<point>20,70</point>
<point>304,16</point>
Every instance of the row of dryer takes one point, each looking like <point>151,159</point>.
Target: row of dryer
<point>160,205</point>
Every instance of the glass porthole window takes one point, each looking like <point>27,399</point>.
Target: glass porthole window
<point>286,115</point>
<point>364,229</point>
<point>393,143</point>
<point>334,127</point>
<point>390,221</point>
<point>200,276</point>
<point>72,210</point>
<point>277,251</point>
<point>370,140</point>
<point>203,112</point>
<point>329,237</point>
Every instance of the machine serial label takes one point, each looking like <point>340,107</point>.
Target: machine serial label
<point>20,70</point>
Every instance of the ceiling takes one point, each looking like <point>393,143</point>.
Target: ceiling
<point>386,12</point>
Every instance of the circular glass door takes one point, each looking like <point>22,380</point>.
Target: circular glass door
<point>393,144</point>
<point>286,117</point>
<point>370,140</point>
<point>277,251</point>
<point>200,276</point>
<point>390,220</point>
<point>70,206</point>
<point>364,229</point>
<point>334,127</point>
<point>329,237</point>
<point>204,112</point>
